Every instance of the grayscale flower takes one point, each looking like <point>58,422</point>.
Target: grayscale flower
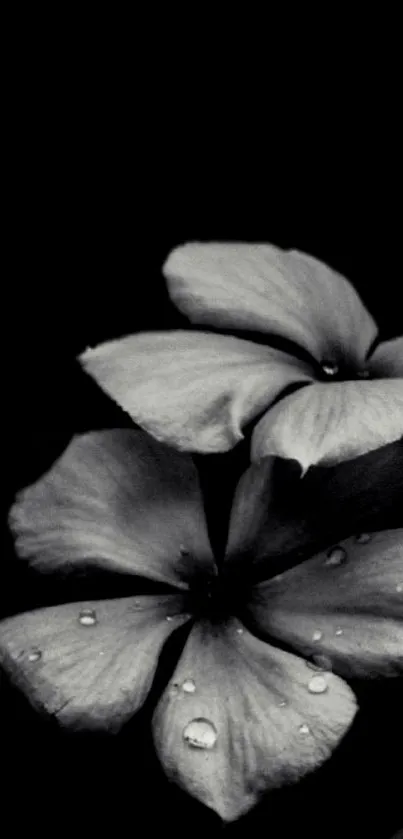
<point>339,396</point>
<point>258,696</point>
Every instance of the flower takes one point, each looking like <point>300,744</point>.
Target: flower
<point>331,393</point>
<point>242,713</point>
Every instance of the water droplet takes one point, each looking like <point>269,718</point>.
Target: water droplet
<point>87,617</point>
<point>277,578</point>
<point>169,618</point>
<point>34,655</point>
<point>101,653</point>
<point>317,635</point>
<point>399,588</point>
<point>336,556</point>
<point>184,551</point>
<point>200,733</point>
<point>363,538</point>
<point>304,729</point>
<point>330,368</point>
<point>320,662</point>
<point>189,686</point>
<point>317,684</point>
<point>339,631</point>
<point>282,704</point>
<point>174,689</point>
<point>363,374</point>
<point>240,630</point>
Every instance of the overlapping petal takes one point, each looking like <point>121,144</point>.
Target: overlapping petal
<point>241,717</point>
<point>91,664</point>
<point>265,289</point>
<point>193,390</point>
<point>387,360</point>
<point>329,423</point>
<point>276,517</point>
<point>118,500</point>
<point>345,603</point>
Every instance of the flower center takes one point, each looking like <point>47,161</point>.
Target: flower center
<point>216,597</point>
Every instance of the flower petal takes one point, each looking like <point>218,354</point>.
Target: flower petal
<point>265,289</point>
<point>192,390</point>
<point>238,719</point>
<point>345,603</point>
<point>89,664</point>
<point>387,360</point>
<point>119,500</point>
<point>328,423</point>
<point>277,518</point>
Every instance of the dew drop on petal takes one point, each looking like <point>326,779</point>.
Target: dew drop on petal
<point>336,556</point>
<point>317,635</point>
<point>320,662</point>
<point>189,686</point>
<point>200,733</point>
<point>87,617</point>
<point>239,630</point>
<point>304,729</point>
<point>339,631</point>
<point>363,538</point>
<point>184,551</point>
<point>330,368</point>
<point>317,684</point>
<point>399,588</point>
<point>282,704</point>
<point>34,655</point>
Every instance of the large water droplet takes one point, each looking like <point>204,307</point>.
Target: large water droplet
<point>304,729</point>
<point>240,630</point>
<point>339,631</point>
<point>189,686</point>
<point>330,368</point>
<point>317,684</point>
<point>200,733</point>
<point>363,538</point>
<point>317,635</point>
<point>87,617</point>
<point>34,655</point>
<point>320,662</point>
<point>336,556</point>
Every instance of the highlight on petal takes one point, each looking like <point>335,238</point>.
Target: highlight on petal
<point>346,603</point>
<point>193,390</point>
<point>90,665</point>
<point>387,360</point>
<point>239,718</point>
<point>265,289</point>
<point>328,423</point>
<point>118,500</point>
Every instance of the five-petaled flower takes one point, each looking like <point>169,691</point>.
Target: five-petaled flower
<point>254,701</point>
<point>339,396</point>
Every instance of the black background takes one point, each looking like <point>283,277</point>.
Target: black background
<point>105,181</point>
